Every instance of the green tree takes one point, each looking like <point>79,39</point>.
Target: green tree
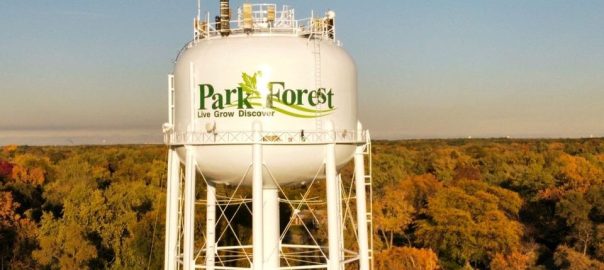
<point>575,209</point>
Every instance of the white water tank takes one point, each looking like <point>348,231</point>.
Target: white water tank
<point>289,80</point>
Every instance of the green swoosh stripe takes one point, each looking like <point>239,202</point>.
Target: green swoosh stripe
<point>297,115</point>
<point>304,109</point>
<point>283,111</point>
<point>296,107</point>
<point>292,110</point>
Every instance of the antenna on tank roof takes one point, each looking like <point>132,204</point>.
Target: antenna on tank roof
<point>198,9</point>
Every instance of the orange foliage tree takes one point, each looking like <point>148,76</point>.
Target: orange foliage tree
<point>406,258</point>
<point>514,261</point>
<point>30,169</point>
<point>471,222</point>
<point>392,214</point>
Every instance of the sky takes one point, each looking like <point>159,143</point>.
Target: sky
<point>95,72</point>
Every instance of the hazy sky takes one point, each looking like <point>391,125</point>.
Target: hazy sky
<point>95,71</point>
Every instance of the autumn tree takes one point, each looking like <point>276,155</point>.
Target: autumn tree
<point>515,260</point>
<point>8,219</point>
<point>418,188</point>
<point>392,214</point>
<point>63,245</point>
<point>471,222</point>
<point>575,209</point>
<point>578,173</point>
<point>6,169</point>
<point>102,207</point>
<point>566,258</point>
<point>17,235</point>
<point>30,169</point>
<point>8,150</point>
<point>406,258</point>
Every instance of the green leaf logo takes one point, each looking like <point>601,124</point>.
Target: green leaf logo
<point>249,86</point>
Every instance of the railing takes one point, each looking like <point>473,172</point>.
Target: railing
<point>284,22</point>
<point>308,27</point>
<point>269,137</point>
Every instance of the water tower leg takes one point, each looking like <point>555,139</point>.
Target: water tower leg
<point>257,199</point>
<point>271,228</point>
<point>210,226</point>
<point>333,216</point>
<point>173,188</point>
<point>359,175</point>
<point>189,213</point>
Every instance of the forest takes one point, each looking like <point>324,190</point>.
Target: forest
<point>438,204</point>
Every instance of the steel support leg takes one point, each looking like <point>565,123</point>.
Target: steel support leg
<point>333,216</point>
<point>189,213</point>
<point>257,186</point>
<point>270,224</point>
<point>359,175</point>
<point>173,193</point>
<point>210,226</point>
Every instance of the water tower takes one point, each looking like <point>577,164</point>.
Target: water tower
<point>266,102</point>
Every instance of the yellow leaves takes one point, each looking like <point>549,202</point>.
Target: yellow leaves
<point>17,234</point>
<point>9,149</point>
<point>76,249</point>
<point>566,258</point>
<point>7,209</point>
<point>99,172</point>
<point>63,242</point>
<point>471,221</point>
<point>578,172</point>
<point>551,194</point>
<point>496,233</point>
<point>555,146</point>
<point>406,258</point>
<point>392,212</point>
<point>492,197</point>
<point>19,173</point>
<point>418,188</point>
<point>514,261</point>
<point>34,176</point>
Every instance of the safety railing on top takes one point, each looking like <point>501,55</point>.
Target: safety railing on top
<point>269,137</point>
<point>265,18</point>
<point>281,22</point>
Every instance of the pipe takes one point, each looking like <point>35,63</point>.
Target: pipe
<point>359,175</point>
<point>257,199</point>
<point>270,224</point>
<point>225,17</point>
<point>333,215</point>
<point>173,192</point>
<point>189,223</point>
<point>210,226</point>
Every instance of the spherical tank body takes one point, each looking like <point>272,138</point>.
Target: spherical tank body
<point>224,87</point>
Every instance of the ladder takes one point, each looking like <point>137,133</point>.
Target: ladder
<point>181,221</point>
<point>317,56</point>
<point>368,185</point>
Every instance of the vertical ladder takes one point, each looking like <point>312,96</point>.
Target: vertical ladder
<point>368,180</point>
<point>171,99</point>
<point>181,206</point>
<point>342,216</point>
<point>317,55</point>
